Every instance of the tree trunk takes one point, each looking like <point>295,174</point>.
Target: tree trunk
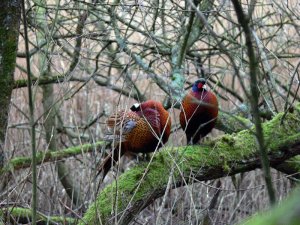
<point>10,15</point>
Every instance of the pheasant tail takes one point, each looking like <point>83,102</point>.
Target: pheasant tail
<point>112,158</point>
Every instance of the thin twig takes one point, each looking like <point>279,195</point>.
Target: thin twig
<point>32,122</point>
<point>253,64</point>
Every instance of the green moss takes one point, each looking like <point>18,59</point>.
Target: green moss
<point>276,131</point>
<point>27,213</point>
<point>226,167</point>
<point>221,153</point>
<point>228,139</point>
<point>24,161</point>
<point>295,163</point>
<point>232,123</point>
<point>126,190</point>
<point>297,107</point>
<point>228,148</point>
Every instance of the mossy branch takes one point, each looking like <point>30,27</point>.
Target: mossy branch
<point>24,216</point>
<point>292,167</point>
<point>49,156</point>
<point>232,123</point>
<point>224,156</point>
<point>227,123</point>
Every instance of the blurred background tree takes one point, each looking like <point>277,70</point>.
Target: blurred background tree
<point>89,59</point>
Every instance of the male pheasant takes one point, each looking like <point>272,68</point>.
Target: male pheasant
<point>199,112</point>
<point>143,129</point>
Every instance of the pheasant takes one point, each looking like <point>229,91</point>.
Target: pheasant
<point>143,129</point>
<point>199,112</point>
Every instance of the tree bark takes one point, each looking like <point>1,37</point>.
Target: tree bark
<point>10,15</point>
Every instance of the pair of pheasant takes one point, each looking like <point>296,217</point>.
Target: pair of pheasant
<point>148,125</point>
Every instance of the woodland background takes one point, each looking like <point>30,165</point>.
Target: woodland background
<point>88,59</point>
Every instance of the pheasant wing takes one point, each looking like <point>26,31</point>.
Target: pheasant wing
<point>120,124</point>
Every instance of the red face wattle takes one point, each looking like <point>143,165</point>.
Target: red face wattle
<point>200,86</point>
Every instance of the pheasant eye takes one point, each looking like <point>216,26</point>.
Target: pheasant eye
<point>135,107</point>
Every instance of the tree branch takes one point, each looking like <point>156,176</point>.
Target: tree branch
<point>190,36</point>
<point>224,156</point>
<point>49,156</point>
<point>24,216</point>
<point>254,97</point>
